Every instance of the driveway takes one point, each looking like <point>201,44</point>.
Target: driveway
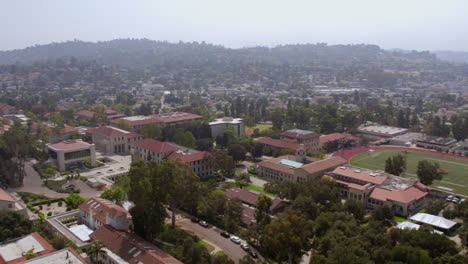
<point>233,251</point>
<point>33,183</point>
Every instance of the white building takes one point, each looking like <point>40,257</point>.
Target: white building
<point>220,124</point>
<point>70,152</point>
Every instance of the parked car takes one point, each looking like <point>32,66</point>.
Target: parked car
<point>203,223</point>
<point>253,254</point>
<point>245,246</point>
<point>225,234</point>
<point>449,198</point>
<point>235,239</point>
<point>455,200</point>
<point>462,200</point>
<point>195,220</point>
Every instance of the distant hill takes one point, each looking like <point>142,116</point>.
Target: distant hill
<point>141,52</point>
<point>453,56</point>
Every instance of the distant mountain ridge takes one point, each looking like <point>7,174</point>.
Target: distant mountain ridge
<point>452,56</point>
<point>144,52</point>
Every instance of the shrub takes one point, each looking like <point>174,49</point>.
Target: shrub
<point>49,213</point>
<point>60,203</point>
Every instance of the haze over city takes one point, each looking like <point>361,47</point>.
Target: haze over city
<point>418,25</point>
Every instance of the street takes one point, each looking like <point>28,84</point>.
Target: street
<point>233,251</point>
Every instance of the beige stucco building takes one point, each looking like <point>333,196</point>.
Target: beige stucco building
<point>71,152</point>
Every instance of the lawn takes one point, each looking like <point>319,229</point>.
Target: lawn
<point>208,246</point>
<point>262,127</point>
<point>455,180</point>
<point>399,219</point>
<point>259,189</point>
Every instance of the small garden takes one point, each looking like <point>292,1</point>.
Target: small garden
<point>87,164</point>
<point>56,206</point>
<point>46,169</point>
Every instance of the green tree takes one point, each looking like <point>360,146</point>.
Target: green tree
<point>204,144</point>
<point>287,237</point>
<point>428,172</point>
<point>13,225</point>
<point>96,249</point>
<point>184,138</point>
<point>356,208</point>
<point>73,200</point>
<point>395,164</point>
<point>115,194</point>
<point>123,124</point>
<point>434,207</point>
<point>237,152</point>
<point>152,131</point>
<point>383,214</point>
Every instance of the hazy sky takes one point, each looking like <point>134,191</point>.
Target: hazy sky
<point>406,24</point>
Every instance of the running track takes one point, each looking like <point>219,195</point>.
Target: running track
<point>349,153</point>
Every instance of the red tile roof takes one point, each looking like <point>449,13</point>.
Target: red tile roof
<point>351,185</point>
<point>175,117</point>
<point>70,145</point>
<point>187,158</point>
<point>155,145</point>
<point>65,129</point>
<point>85,113</point>
<point>248,215</point>
<point>4,196</point>
<point>361,175</point>
<point>131,247</point>
<point>48,248</point>
<point>278,143</point>
<point>146,121</point>
<point>404,196</point>
<point>110,112</point>
<point>249,197</point>
<point>323,165</point>
<point>335,136</point>
<point>292,134</point>
<point>6,106</point>
<point>101,208</point>
<point>109,131</point>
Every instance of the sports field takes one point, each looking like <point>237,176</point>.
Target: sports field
<point>456,179</point>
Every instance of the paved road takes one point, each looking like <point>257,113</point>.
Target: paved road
<point>33,183</point>
<point>233,251</point>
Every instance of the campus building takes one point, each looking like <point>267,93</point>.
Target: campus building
<point>98,212</point>
<point>71,152</point>
<point>89,115</point>
<point>379,132</point>
<point>138,122</point>
<point>405,196</point>
<point>18,250</point>
<point>293,139</point>
<point>436,143</point>
<point>297,168</point>
<point>309,139</point>
<point>219,125</point>
<point>112,140</point>
<point>151,149</point>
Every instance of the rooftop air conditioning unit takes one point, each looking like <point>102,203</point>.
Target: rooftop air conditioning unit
<point>357,171</point>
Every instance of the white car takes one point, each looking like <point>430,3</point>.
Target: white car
<point>235,239</point>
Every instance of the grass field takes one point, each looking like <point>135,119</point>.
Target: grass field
<point>208,246</point>
<point>262,127</point>
<point>456,180</point>
<point>259,189</point>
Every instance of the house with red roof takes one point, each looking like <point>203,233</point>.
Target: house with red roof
<point>89,115</point>
<point>6,109</point>
<point>54,135</point>
<point>112,140</point>
<point>129,247</point>
<point>98,212</point>
<point>151,149</point>
<point>406,196</point>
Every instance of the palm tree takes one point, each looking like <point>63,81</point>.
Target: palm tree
<point>95,249</point>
